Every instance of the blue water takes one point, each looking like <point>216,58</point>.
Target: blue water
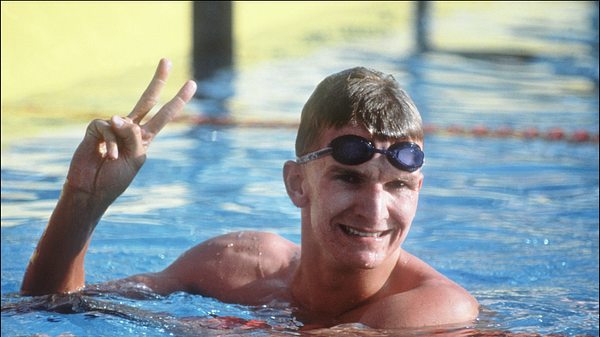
<point>514,221</point>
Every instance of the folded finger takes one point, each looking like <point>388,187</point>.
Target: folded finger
<point>151,95</point>
<point>129,135</point>
<point>107,141</point>
<point>170,109</point>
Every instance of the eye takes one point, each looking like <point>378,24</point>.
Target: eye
<point>349,178</point>
<point>397,185</point>
<point>403,184</point>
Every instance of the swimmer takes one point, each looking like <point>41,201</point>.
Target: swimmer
<point>355,181</point>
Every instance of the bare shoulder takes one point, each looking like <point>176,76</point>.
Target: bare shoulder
<point>272,251</point>
<point>228,263</point>
<point>421,297</point>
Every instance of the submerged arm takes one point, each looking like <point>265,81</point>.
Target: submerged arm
<point>103,166</point>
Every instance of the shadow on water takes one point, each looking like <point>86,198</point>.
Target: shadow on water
<point>587,39</point>
<point>107,305</point>
<point>213,94</point>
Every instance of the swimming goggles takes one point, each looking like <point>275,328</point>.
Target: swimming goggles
<point>355,150</point>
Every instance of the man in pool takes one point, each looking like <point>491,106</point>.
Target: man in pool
<point>356,182</point>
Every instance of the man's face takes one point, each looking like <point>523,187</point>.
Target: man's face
<point>358,215</point>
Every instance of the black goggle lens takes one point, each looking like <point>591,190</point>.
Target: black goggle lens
<point>351,150</point>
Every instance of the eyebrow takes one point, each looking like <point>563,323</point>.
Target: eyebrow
<point>340,170</point>
<point>335,170</point>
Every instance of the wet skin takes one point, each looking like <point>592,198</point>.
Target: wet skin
<point>350,266</point>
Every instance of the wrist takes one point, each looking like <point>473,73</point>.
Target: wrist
<point>70,188</point>
<point>83,204</point>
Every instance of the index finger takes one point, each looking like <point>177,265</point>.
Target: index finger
<point>151,95</point>
<point>171,108</point>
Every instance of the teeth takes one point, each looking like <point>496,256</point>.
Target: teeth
<point>353,231</point>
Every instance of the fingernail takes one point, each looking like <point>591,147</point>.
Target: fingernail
<point>117,121</point>
<point>168,63</point>
<point>114,154</point>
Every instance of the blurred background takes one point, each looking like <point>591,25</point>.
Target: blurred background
<point>68,62</point>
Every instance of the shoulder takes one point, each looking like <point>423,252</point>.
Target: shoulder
<point>429,299</point>
<point>242,245</point>
<point>232,261</point>
<point>250,245</point>
<point>432,304</point>
<point>266,252</point>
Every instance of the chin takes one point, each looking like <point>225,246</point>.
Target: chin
<point>364,260</point>
<point>373,260</point>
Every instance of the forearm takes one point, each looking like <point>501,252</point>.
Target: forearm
<point>57,264</point>
<point>97,179</point>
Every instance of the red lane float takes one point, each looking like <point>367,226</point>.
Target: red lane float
<point>530,133</point>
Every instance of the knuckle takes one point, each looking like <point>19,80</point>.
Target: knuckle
<point>97,128</point>
<point>96,123</point>
<point>136,130</point>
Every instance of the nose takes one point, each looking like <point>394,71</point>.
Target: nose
<point>372,205</point>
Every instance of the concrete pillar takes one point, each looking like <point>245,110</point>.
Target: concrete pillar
<point>421,14</point>
<point>213,37</point>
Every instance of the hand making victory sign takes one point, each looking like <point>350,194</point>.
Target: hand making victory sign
<point>114,150</point>
<point>103,166</point>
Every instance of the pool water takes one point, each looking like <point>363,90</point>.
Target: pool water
<point>513,220</point>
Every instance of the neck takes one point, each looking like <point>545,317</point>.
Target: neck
<point>322,289</point>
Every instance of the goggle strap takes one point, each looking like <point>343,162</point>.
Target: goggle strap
<point>314,155</point>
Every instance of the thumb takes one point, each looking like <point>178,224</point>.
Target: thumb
<point>129,136</point>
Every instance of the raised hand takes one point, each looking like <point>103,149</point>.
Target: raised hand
<point>113,151</point>
<point>102,167</point>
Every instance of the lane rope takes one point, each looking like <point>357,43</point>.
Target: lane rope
<point>479,131</point>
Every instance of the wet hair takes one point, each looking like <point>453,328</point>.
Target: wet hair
<point>358,97</point>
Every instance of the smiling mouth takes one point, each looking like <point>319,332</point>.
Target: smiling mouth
<point>355,232</point>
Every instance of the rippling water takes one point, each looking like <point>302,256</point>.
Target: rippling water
<point>515,221</point>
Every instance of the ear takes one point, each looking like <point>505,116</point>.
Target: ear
<point>293,177</point>
<point>421,176</point>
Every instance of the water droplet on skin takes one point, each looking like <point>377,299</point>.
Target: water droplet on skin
<point>259,266</point>
<point>373,257</point>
